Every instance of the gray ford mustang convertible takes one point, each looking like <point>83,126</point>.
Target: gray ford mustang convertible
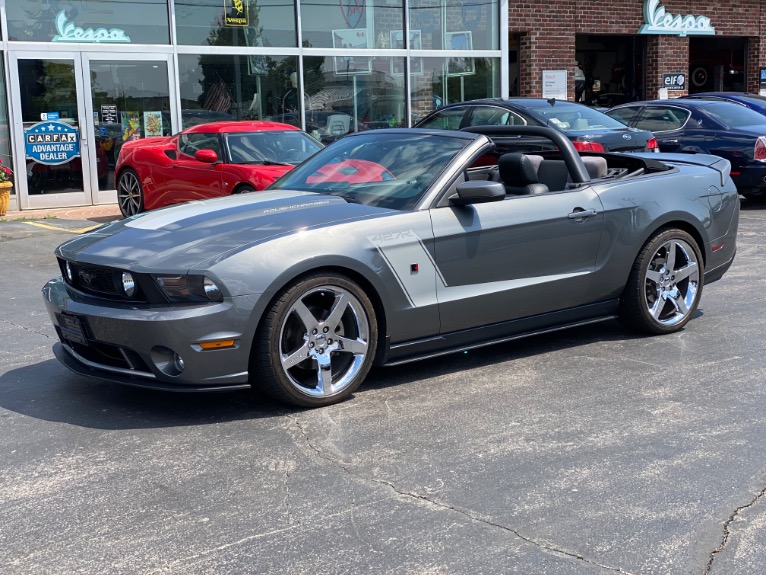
<point>386,247</point>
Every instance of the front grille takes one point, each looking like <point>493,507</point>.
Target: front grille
<point>107,355</point>
<point>105,282</point>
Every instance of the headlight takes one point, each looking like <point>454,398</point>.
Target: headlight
<point>128,284</point>
<point>189,288</point>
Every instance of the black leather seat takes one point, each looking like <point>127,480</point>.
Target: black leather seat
<point>519,176</point>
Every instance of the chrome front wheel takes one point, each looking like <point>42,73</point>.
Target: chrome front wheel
<point>318,341</point>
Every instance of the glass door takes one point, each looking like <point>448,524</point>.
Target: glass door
<point>128,99</point>
<point>74,111</point>
<point>49,124</point>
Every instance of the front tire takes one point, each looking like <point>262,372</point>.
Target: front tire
<point>316,343</point>
<point>130,194</point>
<point>665,284</point>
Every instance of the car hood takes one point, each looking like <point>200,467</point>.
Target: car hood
<point>614,139</point>
<point>189,235</point>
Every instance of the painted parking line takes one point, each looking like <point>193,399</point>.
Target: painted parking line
<point>60,229</point>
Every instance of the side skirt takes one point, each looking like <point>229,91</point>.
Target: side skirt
<point>458,341</point>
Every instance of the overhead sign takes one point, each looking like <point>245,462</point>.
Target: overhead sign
<point>658,21</point>
<point>52,143</point>
<point>674,82</point>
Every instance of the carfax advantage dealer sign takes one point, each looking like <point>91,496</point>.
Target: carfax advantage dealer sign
<point>52,143</point>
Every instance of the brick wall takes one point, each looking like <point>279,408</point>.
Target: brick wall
<point>547,35</point>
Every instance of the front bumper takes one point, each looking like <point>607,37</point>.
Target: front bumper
<point>136,345</point>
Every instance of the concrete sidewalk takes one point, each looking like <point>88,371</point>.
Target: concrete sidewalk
<point>97,214</point>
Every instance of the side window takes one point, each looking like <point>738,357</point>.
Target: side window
<point>491,116</point>
<point>624,115</point>
<point>662,118</point>
<point>188,144</point>
<point>449,119</point>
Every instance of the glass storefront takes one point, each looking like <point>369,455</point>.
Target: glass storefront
<point>5,128</point>
<point>353,68</point>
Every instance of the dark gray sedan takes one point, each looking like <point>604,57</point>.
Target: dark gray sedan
<point>589,129</point>
<point>387,247</point>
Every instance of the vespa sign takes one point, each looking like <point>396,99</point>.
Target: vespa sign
<point>658,21</point>
<point>52,143</point>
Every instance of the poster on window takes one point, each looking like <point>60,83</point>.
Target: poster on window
<point>131,126</point>
<point>351,39</point>
<point>235,13</point>
<point>397,43</point>
<point>152,124</point>
<point>461,41</point>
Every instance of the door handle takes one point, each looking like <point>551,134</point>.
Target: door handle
<point>580,214</point>
<point>670,142</point>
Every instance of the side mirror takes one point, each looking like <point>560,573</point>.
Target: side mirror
<point>207,156</point>
<point>478,192</point>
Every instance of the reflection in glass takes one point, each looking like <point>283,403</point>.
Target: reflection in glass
<point>49,86</point>
<point>217,87</point>
<point>130,101</point>
<point>357,25</point>
<point>338,102</point>
<point>451,25</point>
<point>88,21</point>
<point>260,23</point>
<point>448,80</point>
<point>270,148</point>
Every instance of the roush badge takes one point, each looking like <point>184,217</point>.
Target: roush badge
<point>52,143</point>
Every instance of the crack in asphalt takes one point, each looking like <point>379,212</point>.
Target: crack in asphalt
<point>466,513</point>
<point>727,531</point>
<point>25,328</point>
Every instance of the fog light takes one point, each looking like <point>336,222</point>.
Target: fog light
<point>69,274</point>
<point>167,361</point>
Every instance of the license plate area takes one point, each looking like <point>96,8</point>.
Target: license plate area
<point>71,328</point>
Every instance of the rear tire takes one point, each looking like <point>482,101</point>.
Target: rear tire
<point>665,284</point>
<point>130,194</point>
<point>316,343</point>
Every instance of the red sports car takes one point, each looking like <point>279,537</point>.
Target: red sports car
<point>206,161</point>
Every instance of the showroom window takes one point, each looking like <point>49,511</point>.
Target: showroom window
<point>351,24</point>
<point>91,21</point>
<point>449,80</point>
<point>455,25</point>
<point>238,87</point>
<point>254,23</point>
<point>5,135</point>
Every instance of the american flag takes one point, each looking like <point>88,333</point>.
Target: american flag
<point>218,98</point>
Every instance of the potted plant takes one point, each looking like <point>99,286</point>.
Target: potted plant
<point>6,184</point>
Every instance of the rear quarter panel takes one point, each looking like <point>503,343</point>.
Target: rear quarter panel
<point>153,166</point>
<point>690,197</point>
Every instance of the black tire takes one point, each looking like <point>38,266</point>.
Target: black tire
<point>130,194</point>
<point>661,298</point>
<point>244,189</point>
<point>321,319</point>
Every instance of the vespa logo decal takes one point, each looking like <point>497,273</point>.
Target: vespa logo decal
<point>660,22</point>
<point>353,11</point>
<point>627,137</point>
<point>68,32</point>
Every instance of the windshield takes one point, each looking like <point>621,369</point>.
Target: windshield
<point>574,117</point>
<point>733,115</point>
<point>289,147</point>
<point>392,170</point>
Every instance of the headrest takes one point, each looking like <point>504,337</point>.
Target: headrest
<point>596,166</point>
<point>516,169</point>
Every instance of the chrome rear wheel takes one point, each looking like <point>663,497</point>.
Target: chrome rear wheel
<point>130,194</point>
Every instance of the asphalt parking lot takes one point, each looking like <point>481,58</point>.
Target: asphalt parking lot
<point>587,451</point>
